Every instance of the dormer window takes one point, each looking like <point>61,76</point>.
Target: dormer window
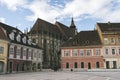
<point>29,41</point>
<point>18,38</point>
<point>24,39</point>
<point>11,35</point>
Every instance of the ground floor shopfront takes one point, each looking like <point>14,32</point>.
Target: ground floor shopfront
<point>18,66</point>
<point>3,67</point>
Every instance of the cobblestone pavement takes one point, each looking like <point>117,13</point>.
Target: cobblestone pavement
<point>62,76</point>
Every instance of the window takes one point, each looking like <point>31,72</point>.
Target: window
<point>97,65</point>
<point>113,51</point>
<point>67,65</point>
<point>29,53</point>
<point>75,65</point>
<point>119,39</point>
<point>67,53</point>
<point>114,64</point>
<point>18,38</point>
<point>24,52</point>
<point>11,36</point>
<point>105,40</point>
<point>24,40</point>
<point>106,51</point>
<point>38,65</point>
<point>107,65</point>
<point>97,52</point>
<point>18,51</point>
<point>34,40</point>
<point>119,51</point>
<point>75,52</point>
<point>29,41</point>
<point>82,64</point>
<point>35,55</point>
<point>81,52</point>
<point>88,52</point>
<point>11,51</point>
<point>1,49</point>
<point>112,40</point>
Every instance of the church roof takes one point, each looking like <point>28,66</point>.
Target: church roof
<point>57,28</point>
<point>66,31</point>
<point>72,24</point>
<point>42,25</point>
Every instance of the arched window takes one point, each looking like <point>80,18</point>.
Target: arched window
<point>1,66</point>
<point>75,65</point>
<point>67,65</point>
<point>82,64</point>
<point>89,65</point>
<point>38,65</point>
<point>97,65</point>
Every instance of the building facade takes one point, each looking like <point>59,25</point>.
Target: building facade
<point>3,51</point>
<point>110,37</point>
<point>84,51</point>
<point>19,51</point>
<point>98,49</point>
<point>50,37</point>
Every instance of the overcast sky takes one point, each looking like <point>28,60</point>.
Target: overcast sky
<point>86,13</point>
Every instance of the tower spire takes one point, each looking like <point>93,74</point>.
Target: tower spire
<point>72,24</point>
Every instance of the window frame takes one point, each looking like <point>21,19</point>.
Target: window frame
<point>1,50</point>
<point>87,52</point>
<point>67,53</point>
<point>11,50</point>
<point>113,53</point>
<point>75,52</point>
<point>97,52</point>
<point>106,51</point>
<point>112,40</point>
<point>105,40</point>
<point>81,52</point>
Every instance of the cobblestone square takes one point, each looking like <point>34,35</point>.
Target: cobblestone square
<point>62,76</point>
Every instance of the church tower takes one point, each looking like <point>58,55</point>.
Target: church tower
<point>73,27</point>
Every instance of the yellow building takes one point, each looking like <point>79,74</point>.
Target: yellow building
<point>3,51</point>
<point>110,37</point>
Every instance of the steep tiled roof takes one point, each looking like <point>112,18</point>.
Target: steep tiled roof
<point>66,31</point>
<point>57,28</point>
<point>109,27</point>
<point>2,34</point>
<point>42,25</point>
<point>9,29</point>
<point>84,38</point>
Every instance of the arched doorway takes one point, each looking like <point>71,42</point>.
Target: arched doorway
<point>34,67</point>
<point>89,65</point>
<point>17,67</point>
<point>67,65</point>
<point>10,67</point>
<point>97,65</point>
<point>1,66</point>
<point>75,65</point>
<point>38,65</point>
